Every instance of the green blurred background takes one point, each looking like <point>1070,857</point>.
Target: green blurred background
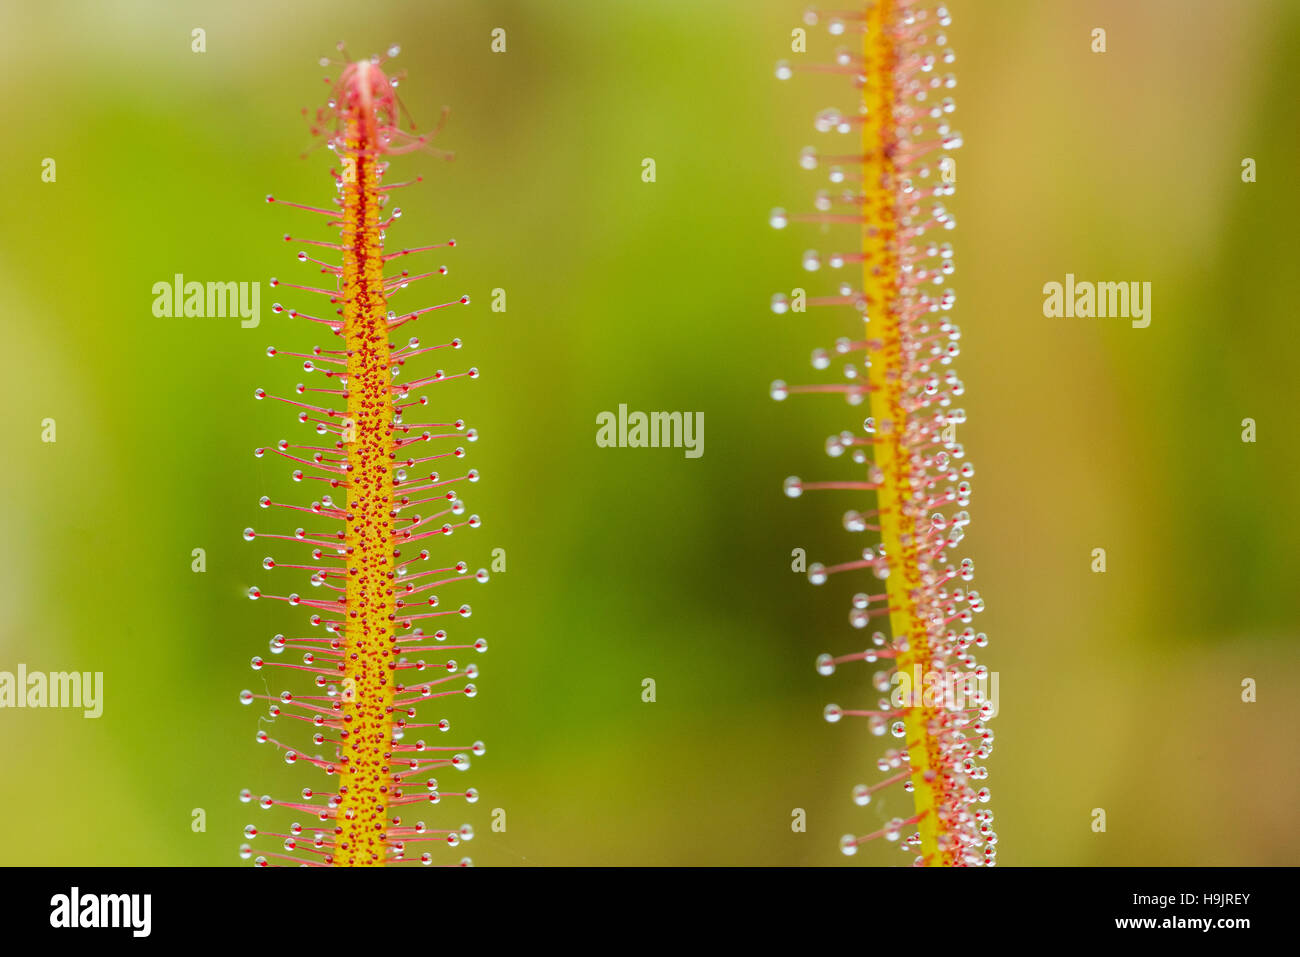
<point>1119,691</point>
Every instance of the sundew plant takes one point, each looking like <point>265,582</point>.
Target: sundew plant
<point>374,551</point>
<point>890,174</point>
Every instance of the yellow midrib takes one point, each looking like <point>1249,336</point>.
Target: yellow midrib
<point>370,602</point>
<point>885,377</point>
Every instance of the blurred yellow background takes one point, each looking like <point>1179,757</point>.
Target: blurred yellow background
<point>1118,690</point>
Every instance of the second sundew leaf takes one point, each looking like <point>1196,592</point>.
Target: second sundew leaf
<point>890,186</point>
<point>372,566</point>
